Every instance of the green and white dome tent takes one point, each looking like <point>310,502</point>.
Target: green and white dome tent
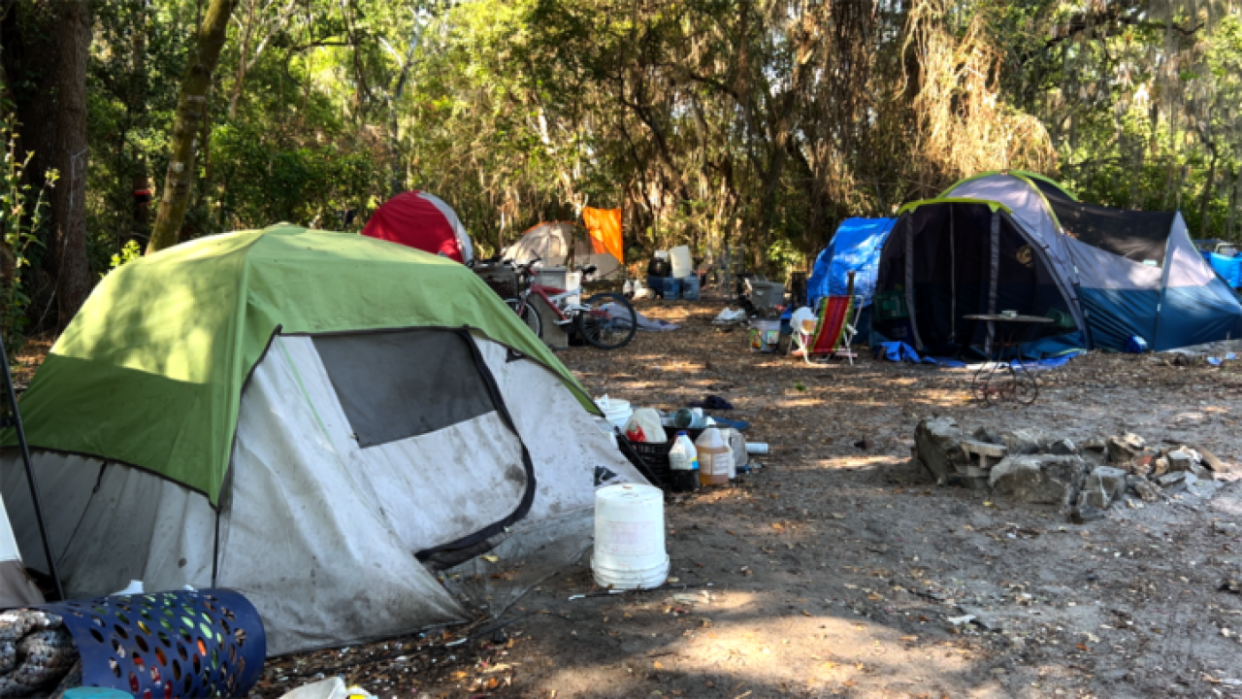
<point>317,420</point>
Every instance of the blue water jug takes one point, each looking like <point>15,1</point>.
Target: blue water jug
<point>690,288</point>
<point>672,288</point>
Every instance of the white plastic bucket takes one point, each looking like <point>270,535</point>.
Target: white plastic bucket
<point>616,411</point>
<point>629,537</point>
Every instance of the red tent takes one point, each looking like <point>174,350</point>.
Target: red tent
<point>423,221</point>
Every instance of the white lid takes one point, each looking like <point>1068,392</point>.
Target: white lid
<point>629,492</point>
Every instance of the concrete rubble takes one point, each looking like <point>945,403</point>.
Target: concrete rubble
<point>1032,466</point>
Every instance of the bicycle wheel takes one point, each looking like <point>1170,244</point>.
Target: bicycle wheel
<point>528,315</point>
<point>607,328</point>
<point>1025,387</point>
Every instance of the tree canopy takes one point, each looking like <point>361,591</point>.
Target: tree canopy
<point>757,124</point>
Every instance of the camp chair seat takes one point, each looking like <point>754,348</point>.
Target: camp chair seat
<point>834,330</point>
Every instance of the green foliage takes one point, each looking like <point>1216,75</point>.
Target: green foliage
<point>128,253</point>
<point>21,215</point>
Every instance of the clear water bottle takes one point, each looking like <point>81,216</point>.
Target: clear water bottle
<point>687,418</point>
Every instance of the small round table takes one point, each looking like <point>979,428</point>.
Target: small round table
<point>1006,381</point>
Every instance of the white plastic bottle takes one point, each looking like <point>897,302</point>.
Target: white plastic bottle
<point>715,457</point>
<point>683,461</point>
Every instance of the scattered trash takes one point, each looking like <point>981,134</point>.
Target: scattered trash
<point>331,688</point>
<point>730,316</point>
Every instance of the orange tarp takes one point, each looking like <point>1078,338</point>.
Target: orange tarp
<point>604,225</point>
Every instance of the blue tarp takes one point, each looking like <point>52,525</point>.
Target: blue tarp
<point>854,248</point>
<point>1229,268</point>
<point>901,352</point>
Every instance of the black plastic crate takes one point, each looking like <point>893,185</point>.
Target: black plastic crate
<point>691,432</point>
<point>654,456</point>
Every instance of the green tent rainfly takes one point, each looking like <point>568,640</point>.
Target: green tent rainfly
<point>163,347</point>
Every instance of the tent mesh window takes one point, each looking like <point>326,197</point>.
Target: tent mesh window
<point>1049,189</point>
<point>1138,236</point>
<point>395,404</point>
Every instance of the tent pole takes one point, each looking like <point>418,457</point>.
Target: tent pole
<point>994,279</point>
<point>952,281</point>
<point>16,423</point>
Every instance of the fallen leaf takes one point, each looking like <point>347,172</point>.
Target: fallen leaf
<point>658,665</point>
<point>909,638</point>
<point>1082,647</point>
<point>490,558</point>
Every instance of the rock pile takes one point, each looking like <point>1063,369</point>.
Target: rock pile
<point>1030,465</point>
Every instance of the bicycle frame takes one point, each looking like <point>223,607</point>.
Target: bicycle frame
<point>553,297</point>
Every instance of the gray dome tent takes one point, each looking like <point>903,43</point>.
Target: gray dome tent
<point>562,244</point>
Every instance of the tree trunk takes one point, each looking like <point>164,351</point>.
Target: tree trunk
<point>191,110</point>
<point>1233,205</point>
<point>138,111</point>
<point>46,46</point>
<point>1208,187</point>
<point>73,270</point>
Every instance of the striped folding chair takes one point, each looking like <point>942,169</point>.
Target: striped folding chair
<point>835,329</point>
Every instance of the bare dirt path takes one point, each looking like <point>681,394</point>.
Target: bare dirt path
<point>840,569</point>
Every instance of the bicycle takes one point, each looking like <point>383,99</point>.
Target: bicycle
<point>605,320</point>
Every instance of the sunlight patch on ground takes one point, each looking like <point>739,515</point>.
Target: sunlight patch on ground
<point>738,641</point>
<point>851,462</point>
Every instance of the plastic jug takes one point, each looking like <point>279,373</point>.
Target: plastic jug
<point>737,445</point>
<point>683,462</point>
<point>715,457</point>
<point>644,426</point>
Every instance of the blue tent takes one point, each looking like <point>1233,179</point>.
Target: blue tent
<point>854,248</point>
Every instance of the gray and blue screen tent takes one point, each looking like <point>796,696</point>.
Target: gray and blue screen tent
<point>854,248</point>
<point>1018,241</point>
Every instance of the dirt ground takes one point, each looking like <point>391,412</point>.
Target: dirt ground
<point>839,568</point>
